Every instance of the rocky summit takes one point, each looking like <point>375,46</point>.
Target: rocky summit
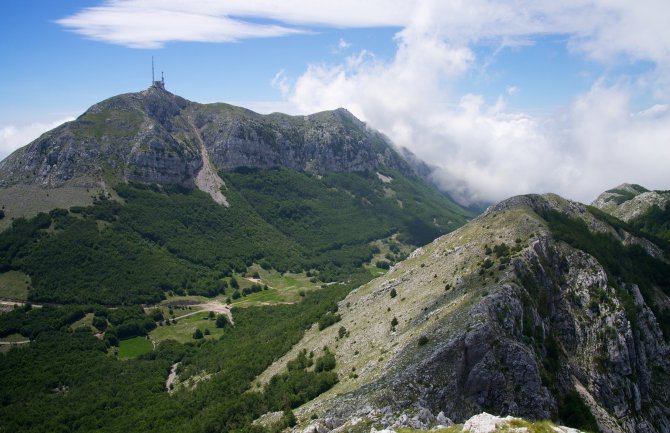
<point>529,310</point>
<point>155,136</point>
<point>630,201</point>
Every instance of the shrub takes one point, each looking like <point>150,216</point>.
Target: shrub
<point>221,321</point>
<point>100,323</point>
<point>393,293</point>
<point>198,334</point>
<point>342,331</point>
<point>325,362</point>
<point>327,320</point>
<point>574,413</point>
<point>423,340</point>
<point>383,264</point>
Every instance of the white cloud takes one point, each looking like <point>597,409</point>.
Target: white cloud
<point>485,152</point>
<point>280,82</point>
<point>601,28</point>
<point>12,137</point>
<point>482,151</point>
<point>342,44</point>
<point>152,23</point>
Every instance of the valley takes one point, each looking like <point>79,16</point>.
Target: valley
<point>235,272</point>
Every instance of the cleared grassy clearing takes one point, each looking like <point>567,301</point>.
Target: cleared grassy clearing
<point>14,285</point>
<point>12,338</point>
<point>287,286</point>
<point>183,330</point>
<point>134,347</point>
<point>87,320</point>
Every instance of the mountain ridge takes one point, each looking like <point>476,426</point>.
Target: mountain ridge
<point>134,128</point>
<point>154,136</point>
<point>511,315</point>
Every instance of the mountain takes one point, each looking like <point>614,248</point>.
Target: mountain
<point>630,201</point>
<point>642,209</point>
<point>203,268</point>
<point>148,193</point>
<point>157,137</point>
<point>540,307</point>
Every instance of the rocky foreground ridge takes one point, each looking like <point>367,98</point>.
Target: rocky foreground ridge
<point>480,423</point>
<point>504,316</point>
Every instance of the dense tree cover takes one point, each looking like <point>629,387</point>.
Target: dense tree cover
<point>630,264</point>
<point>119,323</point>
<point>170,239</point>
<point>656,221</point>
<point>66,382</point>
<point>343,209</point>
<point>31,322</point>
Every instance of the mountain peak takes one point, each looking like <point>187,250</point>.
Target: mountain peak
<point>628,201</point>
<point>155,136</point>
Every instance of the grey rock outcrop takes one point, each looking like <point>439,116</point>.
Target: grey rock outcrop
<point>154,136</point>
<point>500,316</point>
<point>628,201</point>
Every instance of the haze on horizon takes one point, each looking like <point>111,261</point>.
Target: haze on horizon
<point>502,97</point>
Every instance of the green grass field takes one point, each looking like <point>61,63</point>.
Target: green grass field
<point>14,285</point>
<point>134,347</point>
<point>283,288</point>
<point>180,310</point>
<point>183,330</point>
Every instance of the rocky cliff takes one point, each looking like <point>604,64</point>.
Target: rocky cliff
<point>520,312</point>
<point>155,136</point>
<point>630,201</point>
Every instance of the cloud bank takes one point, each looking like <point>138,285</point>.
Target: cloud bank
<point>14,136</point>
<point>482,151</point>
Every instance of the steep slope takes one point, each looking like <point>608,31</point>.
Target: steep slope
<point>538,308</point>
<point>293,193</point>
<point>154,136</point>
<point>629,201</point>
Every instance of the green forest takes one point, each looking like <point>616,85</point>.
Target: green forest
<point>91,268</point>
<point>66,380</point>
<point>164,239</point>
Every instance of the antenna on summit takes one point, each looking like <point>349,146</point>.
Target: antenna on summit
<point>157,84</point>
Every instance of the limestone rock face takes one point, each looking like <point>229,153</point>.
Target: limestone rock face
<point>155,136</point>
<point>500,316</point>
<point>135,136</point>
<point>628,201</point>
<point>322,142</point>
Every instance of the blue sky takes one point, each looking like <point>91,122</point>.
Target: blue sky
<point>502,97</point>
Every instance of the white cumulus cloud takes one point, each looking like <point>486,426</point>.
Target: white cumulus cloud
<point>485,152</point>
<point>14,136</point>
<point>482,151</point>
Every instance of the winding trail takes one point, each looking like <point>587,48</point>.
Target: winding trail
<point>214,306</point>
<point>12,343</point>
